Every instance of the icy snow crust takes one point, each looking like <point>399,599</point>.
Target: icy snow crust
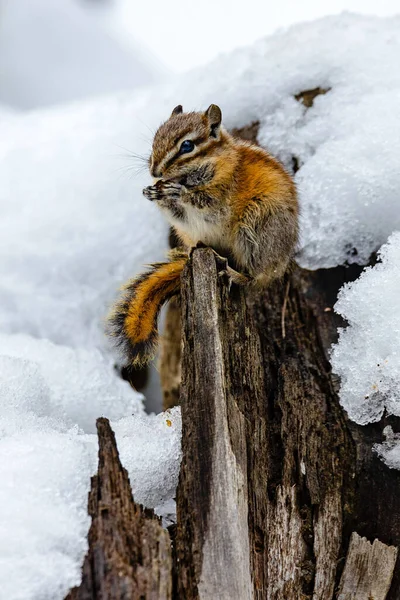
<point>389,450</point>
<point>74,226</point>
<point>367,356</point>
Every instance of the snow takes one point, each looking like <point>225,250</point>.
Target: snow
<point>150,449</point>
<point>44,518</point>
<point>74,222</point>
<point>48,454</point>
<point>367,355</point>
<point>52,52</point>
<point>75,385</point>
<point>389,450</point>
<point>256,19</point>
<point>74,226</point>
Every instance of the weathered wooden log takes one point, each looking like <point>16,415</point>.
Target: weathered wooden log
<point>273,479</point>
<point>129,555</point>
<point>368,571</point>
<point>212,535</point>
<point>267,496</point>
<point>267,458</point>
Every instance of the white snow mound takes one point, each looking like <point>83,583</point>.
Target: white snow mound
<point>150,449</point>
<point>367,355</point>
<point>76,386</point>
<point>75,226</point>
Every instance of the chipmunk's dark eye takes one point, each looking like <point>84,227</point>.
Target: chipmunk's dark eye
<point>186,146</point>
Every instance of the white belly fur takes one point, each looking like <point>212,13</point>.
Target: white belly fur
<point>200,230</point>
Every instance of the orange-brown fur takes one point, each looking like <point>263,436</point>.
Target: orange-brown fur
<point>223,192</point>
<point>149,293</point>
<point>134,318</point>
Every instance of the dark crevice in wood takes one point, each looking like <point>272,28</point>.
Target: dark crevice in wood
<point>170,355</point>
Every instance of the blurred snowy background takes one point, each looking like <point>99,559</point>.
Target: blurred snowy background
<point>55,51</point>
<point>83,84</point>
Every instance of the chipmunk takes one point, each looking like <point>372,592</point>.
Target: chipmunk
<point>218,191</point>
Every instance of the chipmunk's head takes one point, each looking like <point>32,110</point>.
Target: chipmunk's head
<point>185,142</point>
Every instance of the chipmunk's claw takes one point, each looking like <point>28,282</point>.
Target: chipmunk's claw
<point>171,189</point>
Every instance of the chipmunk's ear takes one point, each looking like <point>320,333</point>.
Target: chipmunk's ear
<point>177,110</point>
<point>214,116</point>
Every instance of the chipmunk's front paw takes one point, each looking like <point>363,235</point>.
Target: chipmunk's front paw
<point>164,190</point>
<point>151,192</point>
<point>171,189</point>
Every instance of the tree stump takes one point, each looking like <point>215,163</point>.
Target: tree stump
<point>272,476</point>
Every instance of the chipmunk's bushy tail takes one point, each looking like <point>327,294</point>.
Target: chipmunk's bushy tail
<point>133,321</point>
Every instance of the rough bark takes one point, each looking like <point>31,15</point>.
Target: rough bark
<point>375,510</point>
<point>129,555</point>
<point>212,536</point>
<point>368,570</point>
